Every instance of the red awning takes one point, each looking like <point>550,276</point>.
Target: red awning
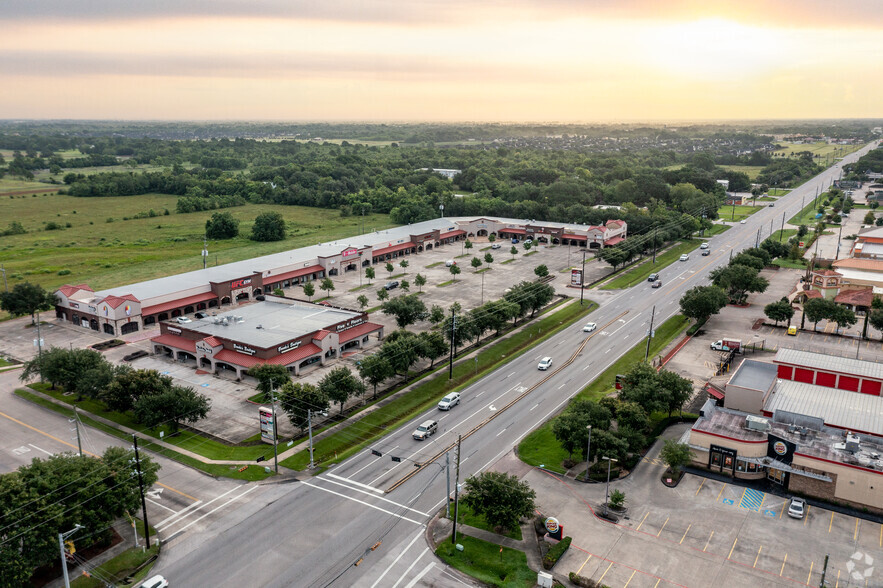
<point>574,237</point>
<point>271,279</point>
<point>176,342</point>
<point>392,249</point>
<point>452,234</point>
<point>180,303</point>
<point>513,231</point>
<point>356,332</point>
<point>613,240</point>
<point>715,392</point>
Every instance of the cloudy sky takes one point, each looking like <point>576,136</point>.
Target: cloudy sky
<point>451,60</point>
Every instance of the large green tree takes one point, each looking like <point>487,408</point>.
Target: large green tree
<point>502,499</point>
<point>222,225</point>
<point>780,310</point>
<point>374,369</point>
<point>269,377</point>
<point>130,385</point>
<point>700,302</point>
<point>297,399</point>
<point>675,455</point>
<point>339,385</point>
<point>407,310</point>
<point>26,298</point>
<point>738,280</point>
<point>178,404</point>
<point>817,309</point>
<point>268,226</point>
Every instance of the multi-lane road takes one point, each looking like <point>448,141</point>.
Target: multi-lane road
<point>360,523</point>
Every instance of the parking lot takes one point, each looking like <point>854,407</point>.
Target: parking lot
<point>706,533</point>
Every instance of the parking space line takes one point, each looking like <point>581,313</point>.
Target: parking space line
<point>657,582</point>
<point>662,527</point>
<point>700,487</point>
<point>806,515</point>
<point>630,579</point>
<point>732,548</point>
<point>809,575</point>
<point>709,541</point>
<point>831,524</point>
<point>721,492</point>
<point>648,514</point>
<point>605,572</point>
<point>782,571</point>
<point>837,584</point>
<point>584,564</point>
<point>757,557</point>
<point>783,509</point>
<point>685,533</point>
<point>881,535</point>
<point>855,535</point>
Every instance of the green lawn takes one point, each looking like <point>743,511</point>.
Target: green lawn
<point>640,272</point>
<point>789,264</point>
<point>716,230</point>
<point>541,447</point>
<point>750,170</point>
<point>785,235</point>
<point>738,212</point>
<point>483,561</point>
<point>119,567</point>
<point>467,517</point>
<point>822,149</point>
<point>807,216</point>
<point>4,362</point>
<point>778,191</point>
<point>357,435</point>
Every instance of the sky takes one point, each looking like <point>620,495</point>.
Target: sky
<point>434,60</point>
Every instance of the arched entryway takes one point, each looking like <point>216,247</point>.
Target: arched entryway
<point>212,303</point>
<point>482,233</point>
<point>176,312</point>
<point>225,300</point>
<point>188,310</point>
<point>129,328</point>
<point>149,320</point>
<point>108,328</point>
<point>242,296</point>
<point>93,324</point>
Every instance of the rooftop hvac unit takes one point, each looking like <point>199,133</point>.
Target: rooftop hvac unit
<point>224,321</point>
<point>259,327</point>
<point>755,423</point>
<point>852,442</point>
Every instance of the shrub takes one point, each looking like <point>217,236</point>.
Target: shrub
<point>617,500</point>
<point>64,272</point>
<point>585,582</point>
<point>556,552</point>
<point>53,226</point>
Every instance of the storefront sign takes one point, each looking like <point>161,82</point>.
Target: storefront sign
<point>576,277</point>
<point>268,425</point>
<point>175,330</point>
<point>349,252</point>
<point>74,305</point>
<point>240,283</point>
<point>350,324</point>
<point>204,347</point>
<point>553,527</point>
<point>288,346</point>
<point>722,458</point>
<point>780,449</point>
<point>93,309</point>
<point>244,349</point>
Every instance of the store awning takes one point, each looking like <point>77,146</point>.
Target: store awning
<point>176,342</point>
<point>450,234</point>
<point>392,249</point>
<point>180,303</point>
<point>313,269</point>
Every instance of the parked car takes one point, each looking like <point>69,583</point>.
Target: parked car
<point>797,508</point>
<point>200,315</point>
<point>528,240</point>
<point>514,241</point>
<point>657,284</point>
<point>792,330</point>
<point>449,401</point>
<point>652,277</point>
<point>589,327</point>
<point>703,246</point>
<point>450,263</point>
<point>706,252</point>
<point>135,355</point>
<point>156,581</point>
<point>184,320</point>
<point>391,285</point>
<point>545,364</point>
<point>496,246</point>
<point>685,257</point>
<point>426,429</point>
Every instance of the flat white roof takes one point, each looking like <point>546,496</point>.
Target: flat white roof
<point>838,408</point>
<point>830,363</point>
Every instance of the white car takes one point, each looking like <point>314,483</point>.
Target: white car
<point>156,581</point>
<point>183,320</point>
<point>545,364</point>
<point>743,221</point>
<point>685,257</point>
<point>425,429</point>
<point>797,508</point>
<point>449,401</point>
<point>703,246</point>
<point>589,327</point>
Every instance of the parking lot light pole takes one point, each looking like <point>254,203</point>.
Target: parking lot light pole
<point>607,490</point>
<point>588,453</point>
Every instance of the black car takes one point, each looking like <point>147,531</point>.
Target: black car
<point>200,315</point>
<point>657,284</point>
<point>391,285</point>
<point>706,252</point>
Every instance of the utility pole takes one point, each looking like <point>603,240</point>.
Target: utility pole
<point>839,234</point>
<point>451,361</point>
<point>456,494</point>
<point>204,252</point>
<point>482,288</point>
<point>310,429</point>
<point>61,538</point>
<point>757,239</point>
<point>77,425</point>
<point>582,279</point>
<point>650,334</point>
<point>448,474</point>
<point>824,571</point>
<point>783,228</point>
<point>588,453</point>
<point>141,490</point>
<point>654,253</point>
<point>39,348</point>
<point>275,430</point>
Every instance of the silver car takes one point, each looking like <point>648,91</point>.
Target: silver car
<point>449,401</point>
<point>797,508</point>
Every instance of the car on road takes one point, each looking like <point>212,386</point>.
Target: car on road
<point>685,257</point>
<point>703,246</point>
<point>449,401</point>
<point>156,581</point>
<point>652,277</point>
<point>545,364</point>
<point>743,221</point>
<point>706,252</point>
<point>496,246</point>
<point>772,204</point>
<point>589,327</point>
<point>183,320</point>
<point>657,284</point>
<point>797,508</point>
<point>426,429</point>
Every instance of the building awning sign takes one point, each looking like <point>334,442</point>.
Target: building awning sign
<point>240,283</point>
<point>244,349</point>
<point>349,252</point>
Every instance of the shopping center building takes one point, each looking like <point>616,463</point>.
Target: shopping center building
<point>126,309</point>
<point>809,422</point>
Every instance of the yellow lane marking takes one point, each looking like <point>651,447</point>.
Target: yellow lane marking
<point>721,492</point>
<point>685,533</point>
<point>700,487</point>
<point>732,548</point>
<point>782,571</point>
<point>657,582</point>
<point>806,515</point>
<point>645,518</point>
<point>762,498</point>
<point>810,572</point>
<point>832,522</point>
<point>630,578</point>
<point>662,527</point>
<point>744,490</point>
<point>757,557</point>
<point>881,535</point>
<point>584,564</point>
<point>54,438</point>
<point>837,584</point>
<point>709,540</point>
<point>855,535</point>
<point>605,572</point>
<point>783,509</point>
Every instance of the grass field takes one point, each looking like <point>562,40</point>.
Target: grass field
<point>483,560</point>
<point>778,191</point>
<point>821,149</point>
<point>738,212</point>
<point>750,170</point>
<point>541,448</point>
<point>639,273</point>
<point>807,216</point>
<point>466,516</point>
<point>97,252</point>
<point>717,230</point>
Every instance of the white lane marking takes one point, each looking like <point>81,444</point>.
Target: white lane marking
<point>480,393</point>
<point>193,522</point>
<point>396,560</point>
<point>564,384</point>
<point>160,528</point>
<point>40,449</point>
<point>419,576</point>
<point>161,505</point>
<point>354,483</point>
<point>534,406</point>
<point>501,432</point>
<point>408,571</point>
<point>512,374</point>
<point>180,512</point>
<point>379,497</point>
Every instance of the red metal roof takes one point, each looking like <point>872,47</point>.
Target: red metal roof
<point>321,335</point>
<point>714,392</point>
<point>392,248</point>
<point>271,279</point>
<point>613,240</point>
<point>213,341</point>
<point>175,341</point>
<point>570,236</point>
<point>247,361</point>
<point>514,231</point>
<point>181,302</point>
<point>451,234</point>
<point>115,301</point>
<point>359,331</point>
<point>67,289</point>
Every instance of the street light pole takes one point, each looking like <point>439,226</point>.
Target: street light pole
<point>582,279</point>
<point>607,490</point>
<point>588,453</point>
<point>61,538</point>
